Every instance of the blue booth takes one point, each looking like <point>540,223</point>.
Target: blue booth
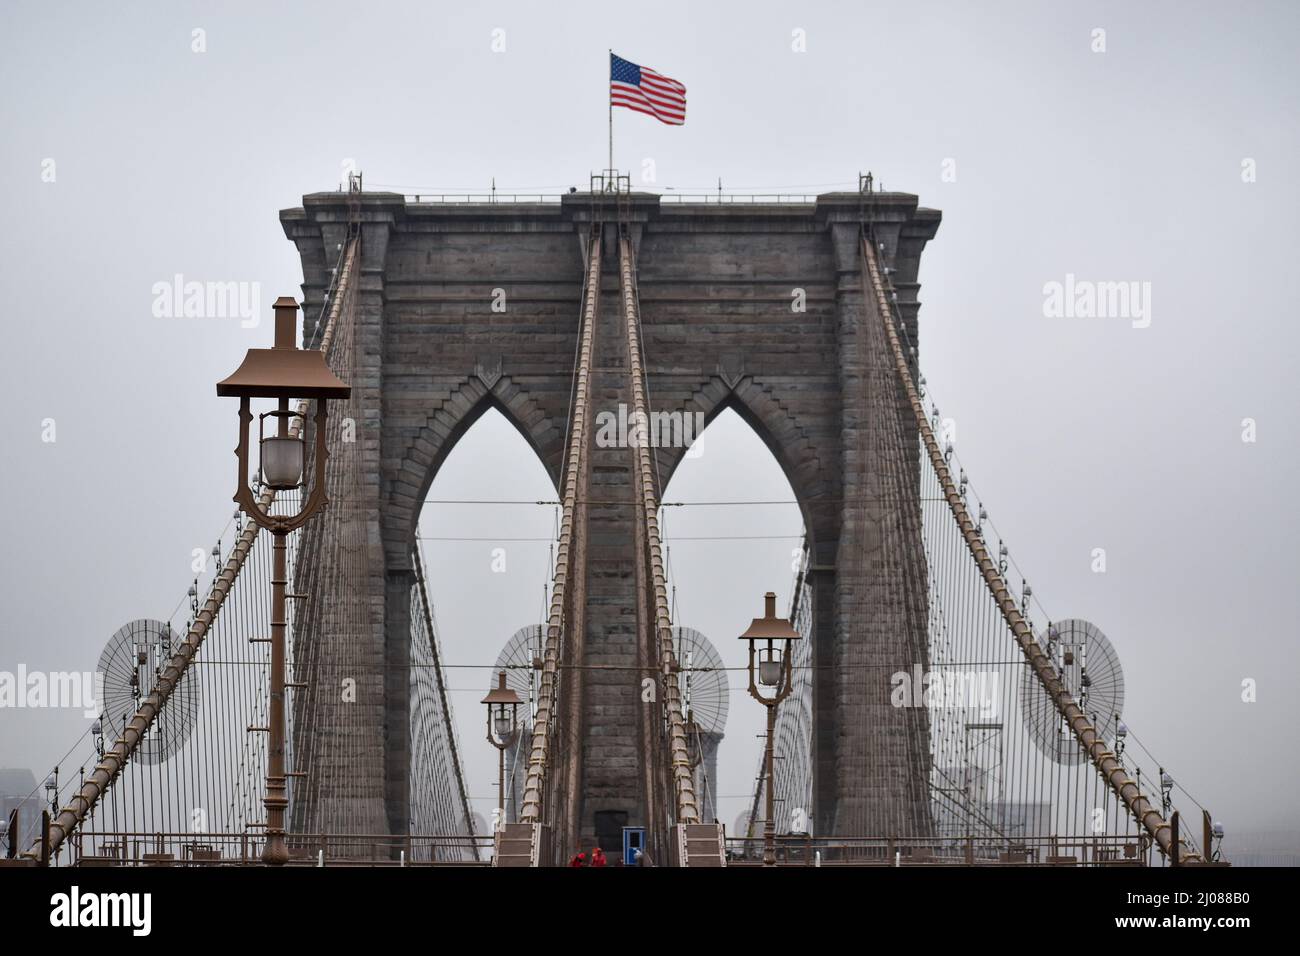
<point>633,841</point>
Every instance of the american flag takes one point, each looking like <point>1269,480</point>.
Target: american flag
<point>642,89</point>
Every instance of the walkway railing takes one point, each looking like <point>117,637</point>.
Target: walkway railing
<point>131,848</point>
<point>1081,850</point>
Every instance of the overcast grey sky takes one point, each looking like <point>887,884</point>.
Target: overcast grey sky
<point>1078,433</point>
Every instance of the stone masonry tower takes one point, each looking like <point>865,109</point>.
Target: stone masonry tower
<point>717,284</point>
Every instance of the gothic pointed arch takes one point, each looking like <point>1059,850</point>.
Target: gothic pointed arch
<point>453,416</point>
<point>779,429</point>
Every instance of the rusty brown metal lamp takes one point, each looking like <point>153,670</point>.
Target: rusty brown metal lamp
<point>282,372</point>
<point>774,671</point>
<point>502,724</point>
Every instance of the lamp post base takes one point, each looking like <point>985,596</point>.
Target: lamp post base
<point>276,851</point>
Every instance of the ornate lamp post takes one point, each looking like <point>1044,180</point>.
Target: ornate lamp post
<point>774,671</point>
<point>281,373</point>
<point>501,726</point>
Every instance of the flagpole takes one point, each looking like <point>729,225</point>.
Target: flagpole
<point>611,113</point>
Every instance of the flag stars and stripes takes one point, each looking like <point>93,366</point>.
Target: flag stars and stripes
<point>642,89</point>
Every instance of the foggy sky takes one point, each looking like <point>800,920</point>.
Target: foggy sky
<point>1078,433</point>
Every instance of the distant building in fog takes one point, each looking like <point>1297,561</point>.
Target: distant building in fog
<point>1262,848</point>
<point>18,791</point>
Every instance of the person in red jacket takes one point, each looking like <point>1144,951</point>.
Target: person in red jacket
<point>598,857</point>
<point>579,860</point>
